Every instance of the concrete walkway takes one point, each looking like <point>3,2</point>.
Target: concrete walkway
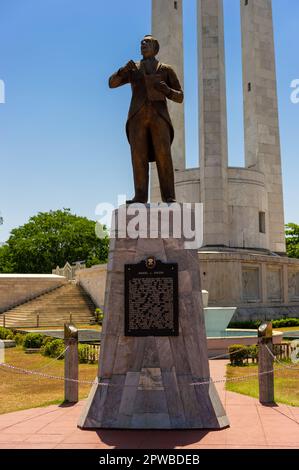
<point>252,426</point>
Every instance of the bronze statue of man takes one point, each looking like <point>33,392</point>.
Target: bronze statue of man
<point>149,128</point>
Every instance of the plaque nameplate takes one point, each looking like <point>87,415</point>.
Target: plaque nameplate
<point>151,298</point>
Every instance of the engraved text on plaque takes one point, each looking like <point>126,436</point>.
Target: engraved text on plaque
<point>151,298</point>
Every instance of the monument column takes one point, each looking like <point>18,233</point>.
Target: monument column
<point>213,122</point>
<point>262,140</point>
<point>167,27</point>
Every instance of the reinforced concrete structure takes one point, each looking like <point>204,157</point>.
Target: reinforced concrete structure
<point>243,260</point>
<point>167,26</point>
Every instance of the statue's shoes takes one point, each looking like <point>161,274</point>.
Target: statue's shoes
<point>170,201</point>
<point>139,201</point>
<point>135,201</point>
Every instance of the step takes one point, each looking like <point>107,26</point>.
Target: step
<point>53,308</point>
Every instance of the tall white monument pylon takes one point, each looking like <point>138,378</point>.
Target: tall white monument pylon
<point>213,122</point>
<point>262,139</point>
<point>167,27</point>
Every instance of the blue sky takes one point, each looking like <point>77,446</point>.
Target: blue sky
<point>62,139</point>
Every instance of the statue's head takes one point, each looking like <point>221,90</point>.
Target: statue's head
<point>149,47</point>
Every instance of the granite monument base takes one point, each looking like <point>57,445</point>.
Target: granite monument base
<point>153,382</point>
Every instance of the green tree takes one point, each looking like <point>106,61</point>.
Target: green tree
<point>50,239</point>
<point>6,261</point>
<point>292,240</point>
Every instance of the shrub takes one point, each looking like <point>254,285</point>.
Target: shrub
<point>5,333</point>
<point>99,315</point>
<point>237,354</point>
<point>47,339</point>
<point>280,323</point>
<point>253,352</point>
<point>19,339</point>
<point>84,355</point>
<point>285,322</point>
<point>33,340</point>
<point>53,348</point>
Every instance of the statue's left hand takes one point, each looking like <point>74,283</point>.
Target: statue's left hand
<point>163,88</point>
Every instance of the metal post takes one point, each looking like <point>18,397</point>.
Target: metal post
<point>37,321</point>
<point>71,363</point>
<point>4,320</point>
<point>265,364</point>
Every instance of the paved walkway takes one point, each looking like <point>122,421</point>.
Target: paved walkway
<point>252,426</point>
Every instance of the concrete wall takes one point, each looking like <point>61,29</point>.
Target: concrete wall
<point>188,185</point>
<point>247,197</point>
<point>93,281</point>
<point>260,286</point>
<point>16,289</point>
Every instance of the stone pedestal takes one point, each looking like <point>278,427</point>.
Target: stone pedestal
<point>153,382</point>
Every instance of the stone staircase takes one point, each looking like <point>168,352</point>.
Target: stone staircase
<point>52,309</point>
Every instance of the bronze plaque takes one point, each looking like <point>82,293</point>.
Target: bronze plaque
<point>151,298</point>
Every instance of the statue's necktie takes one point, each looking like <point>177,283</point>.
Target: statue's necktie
<point>149,66</point>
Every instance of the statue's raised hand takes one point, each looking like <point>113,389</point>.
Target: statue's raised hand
<point>130,66</point>
<point>163,88</point>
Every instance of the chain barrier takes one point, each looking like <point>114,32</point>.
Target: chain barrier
<point>228,354</point>
<point>285,366</point>
<point>233,379</point>
<point>41,374</point>
<point>53,360</point>
<point>203,382</point>
<point>104,384</point>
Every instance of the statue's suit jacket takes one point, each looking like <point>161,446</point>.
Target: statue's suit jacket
<point>139,94</point>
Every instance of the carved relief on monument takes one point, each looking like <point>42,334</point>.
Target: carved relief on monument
<point>251,283</point>
<point>294,285</point>
<point>274,284</point>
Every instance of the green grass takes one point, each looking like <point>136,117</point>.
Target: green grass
<point>20,391</point>
<point>286,383</point>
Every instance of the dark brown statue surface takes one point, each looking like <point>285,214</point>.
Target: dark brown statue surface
<point>149,128</point>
